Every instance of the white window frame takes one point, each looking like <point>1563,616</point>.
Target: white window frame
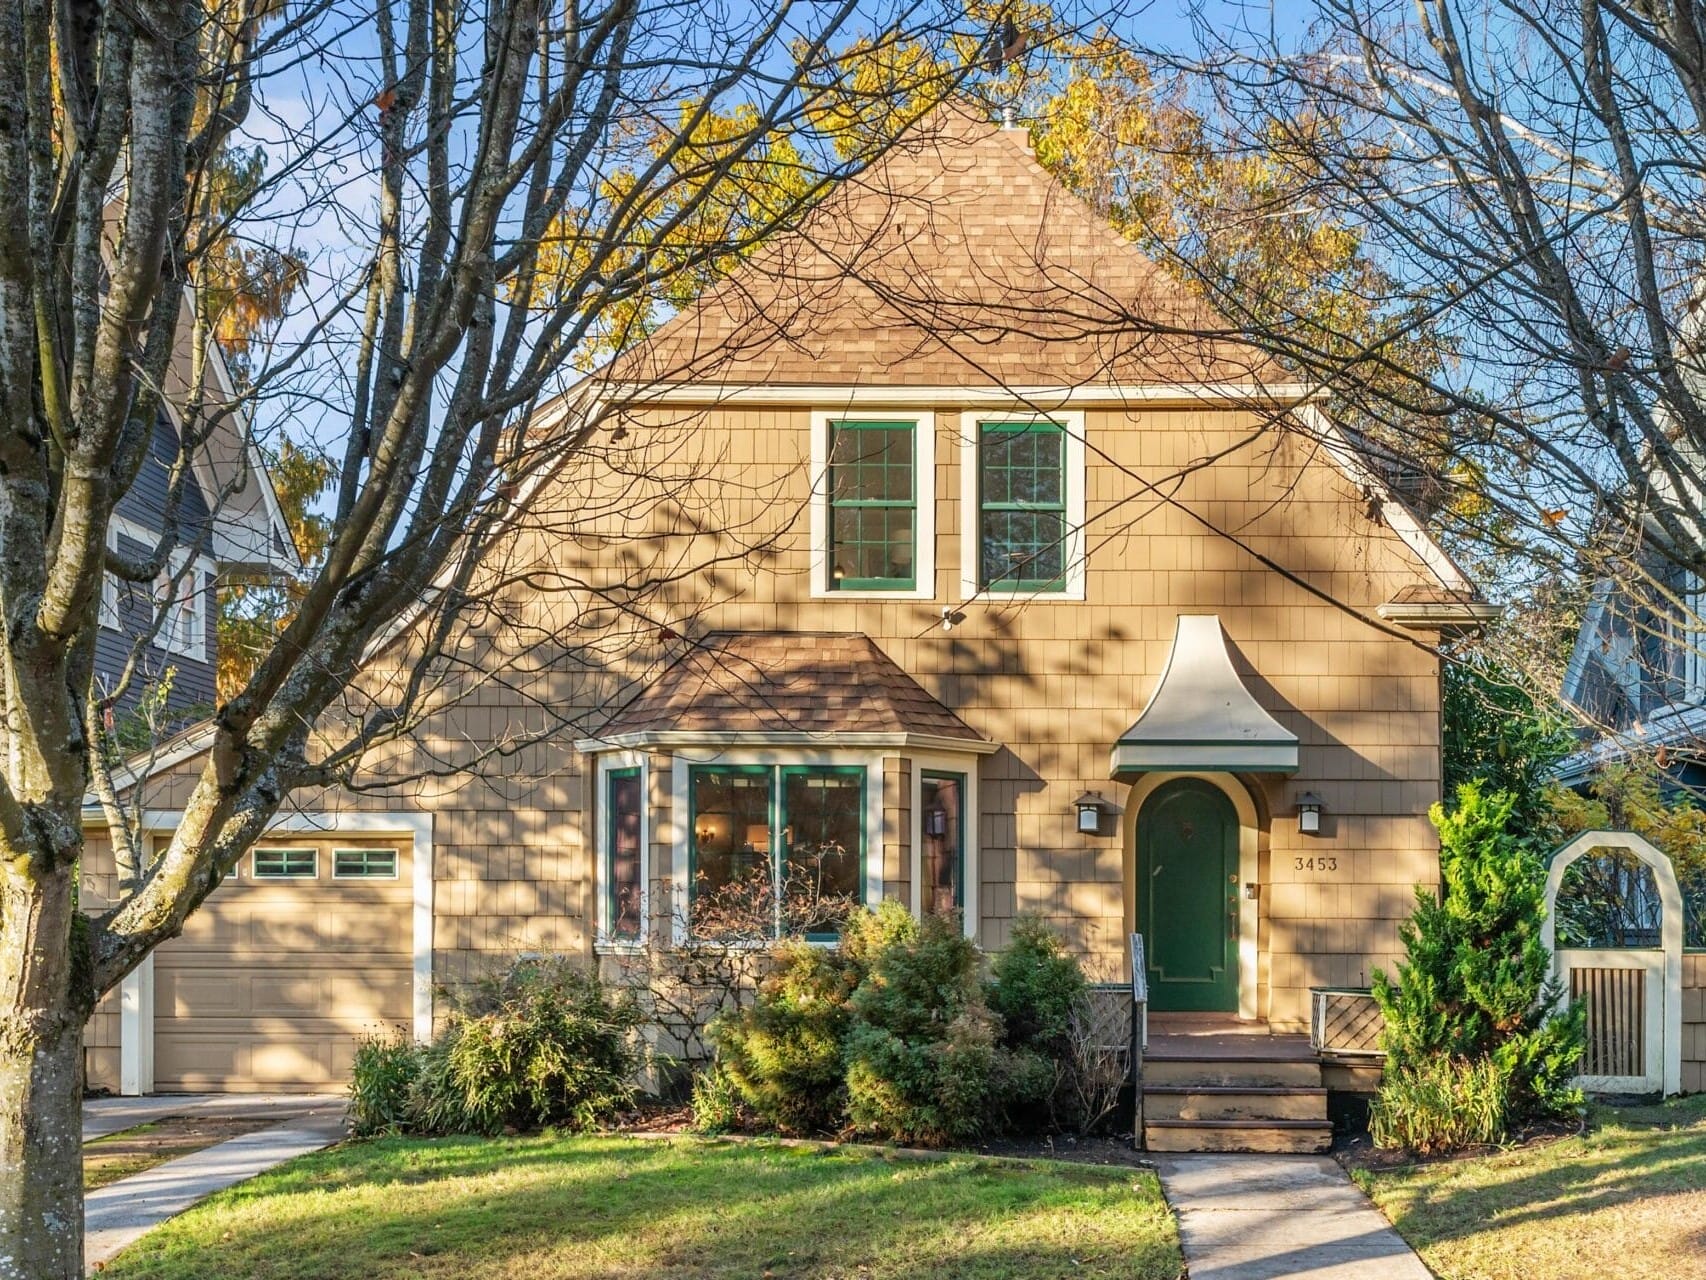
<point>197,580</point>
<point>924,496</point>
<point>282,847</point>
<point>396,861</point>
<point>609,762</point>
<point>1071,423</point>
<point>1693,639</point>
<point>676,834</point>
<point>971,914</point>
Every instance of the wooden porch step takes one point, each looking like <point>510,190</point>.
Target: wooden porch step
<point>1280,1137</point>
<point>1243,1072</point>
<point>1250,1103</point>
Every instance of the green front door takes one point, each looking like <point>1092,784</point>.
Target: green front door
<point>1187,897</point>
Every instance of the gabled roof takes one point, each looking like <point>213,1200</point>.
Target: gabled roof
<point>786,687</point>
<point>955,260</point>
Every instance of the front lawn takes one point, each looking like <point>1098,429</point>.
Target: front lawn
<point>563,1208</point>
<point>1628,1199</point>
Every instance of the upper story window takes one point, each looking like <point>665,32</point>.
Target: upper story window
<point>776,850</point>
<point>873,504</point>
<point>178,597</point>
<point>1024,480</point>
<point>1022,506</point>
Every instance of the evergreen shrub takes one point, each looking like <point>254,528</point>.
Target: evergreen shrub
<point>1475,993</point>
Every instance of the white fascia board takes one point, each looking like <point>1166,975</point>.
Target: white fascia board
<point>1431,617</point>
<point>1039,397</point>
<point>1397,517</point>
<point>670,739</point>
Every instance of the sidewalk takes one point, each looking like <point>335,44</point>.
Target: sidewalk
<point>1244,1217</point>
<point>118,1214</point>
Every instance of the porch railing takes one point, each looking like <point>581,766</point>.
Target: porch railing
<point>1345,1022</point>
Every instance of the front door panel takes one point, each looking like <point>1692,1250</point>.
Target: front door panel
<point>1187,897</point>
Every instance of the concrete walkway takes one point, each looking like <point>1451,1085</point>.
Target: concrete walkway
<point>104,1116</point>
<point>1280,1218</point>
<point>118,1214</point>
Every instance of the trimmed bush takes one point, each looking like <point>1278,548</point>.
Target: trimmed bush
<point>381,1079</point>
<point>1476,985</point>
<point>782,1055</point>
<point>922,1053</point>
<point>1037,988</point>
<point>542,1044</point>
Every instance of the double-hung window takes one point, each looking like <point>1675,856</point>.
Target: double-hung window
<point>1023,532</point>
<point>777,850</point>
<point>873,506</point>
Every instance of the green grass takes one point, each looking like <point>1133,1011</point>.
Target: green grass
<point>1628,1198</point>
<point>564,1208</point>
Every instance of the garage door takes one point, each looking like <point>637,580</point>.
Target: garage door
<point>308,947</point>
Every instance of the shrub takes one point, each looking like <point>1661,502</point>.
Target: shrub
<point>1037,988</point>
<point>1440,1103</point>
<point>782,1055</point>
<point>1476,987</point>
<point>385,1069</point>
<point>923,1048</point>
<point>717,1103</point>
<point>542,1044</point>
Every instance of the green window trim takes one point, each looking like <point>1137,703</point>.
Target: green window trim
<point>776,778</point>
<point>611,902</point>
<point>1038,512</point>
<point>872,513</point>
<point>280,863</point>
<point>364,864</point>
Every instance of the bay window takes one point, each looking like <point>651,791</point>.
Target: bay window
<point>776,850</point>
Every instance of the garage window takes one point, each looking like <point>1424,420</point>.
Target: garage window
<point>364,864</point>
<point>287,864</point>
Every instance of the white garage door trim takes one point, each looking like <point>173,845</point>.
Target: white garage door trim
<point>136,993</point>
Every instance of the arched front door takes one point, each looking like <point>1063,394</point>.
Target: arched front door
<point>1187,897</point>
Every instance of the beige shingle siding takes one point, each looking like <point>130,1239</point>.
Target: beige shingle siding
<point>1694,1022</point>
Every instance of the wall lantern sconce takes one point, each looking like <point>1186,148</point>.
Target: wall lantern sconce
<point>1094,813</point>
<point>1309,808</point>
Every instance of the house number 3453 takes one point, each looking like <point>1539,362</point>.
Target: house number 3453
<point>1318,865</point>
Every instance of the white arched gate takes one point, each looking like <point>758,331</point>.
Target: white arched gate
<point>1633,994</point>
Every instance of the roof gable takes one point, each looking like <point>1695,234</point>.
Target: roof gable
<point>955,260</point>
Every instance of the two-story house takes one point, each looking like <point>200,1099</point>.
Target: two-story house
<point>218,503</point>
<point>1013,594</point>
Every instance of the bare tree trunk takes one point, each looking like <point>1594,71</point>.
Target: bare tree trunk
<point>44,1002</point>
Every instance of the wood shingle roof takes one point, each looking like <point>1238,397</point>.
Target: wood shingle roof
<point>743,682</point>
<point>956,260</point>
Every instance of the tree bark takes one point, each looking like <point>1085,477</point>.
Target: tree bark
<point>44,1001</point>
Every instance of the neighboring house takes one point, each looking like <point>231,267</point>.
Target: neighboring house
<point>225,520</point>
<point>1637,675</point>
<point>1053,617</point>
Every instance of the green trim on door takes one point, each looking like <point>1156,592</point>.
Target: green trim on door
<point>1187,897</point>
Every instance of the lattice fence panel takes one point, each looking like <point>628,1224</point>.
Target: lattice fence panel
<point>1347,1022</point>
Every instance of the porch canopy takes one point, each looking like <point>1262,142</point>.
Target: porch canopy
<point>1201,716</point>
